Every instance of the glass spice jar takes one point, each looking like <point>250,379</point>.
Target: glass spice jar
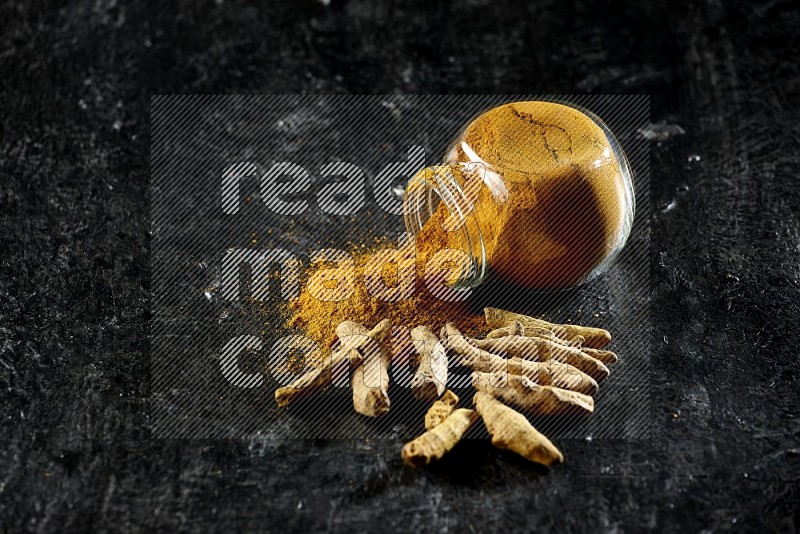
<point>541,193</point>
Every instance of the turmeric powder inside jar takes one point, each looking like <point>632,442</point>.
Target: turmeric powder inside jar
<point>539,192</point>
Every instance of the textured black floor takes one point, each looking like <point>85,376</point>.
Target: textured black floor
<point>75,85</point>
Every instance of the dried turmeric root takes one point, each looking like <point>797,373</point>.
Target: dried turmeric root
<point>605,356</point>
<point>435,443</point>
<point>430,379</point>
<point>552,334</point>
<point>557,335</point>
<point>318,378</point>
<point>540,349</point>
<point>370,378</point>
<point>592,337</point>
<point>350,354</point>
<point>510,430</point>
<point>550,373</point>
<point>441,410</point>
<point>514,329</point>
<point>521,392</point>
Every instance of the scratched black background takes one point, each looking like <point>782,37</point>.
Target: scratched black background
<point>75,86</point>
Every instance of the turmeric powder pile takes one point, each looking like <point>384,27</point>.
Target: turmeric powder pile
<point>317,317</point>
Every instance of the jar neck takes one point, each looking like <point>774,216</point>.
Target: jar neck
<point>443,190</point>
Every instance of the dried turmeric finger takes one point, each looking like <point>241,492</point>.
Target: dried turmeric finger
<point>552,334</point>
<point>605,356</point>
<point>521,392</point>
<point>322,376</point>
<point>558,374</point>
<point>593,337</point>
<point>556,335</point>
<point>370,378</point>
<point>549,373</point>
<point>435,443</point>
<point>430,379</point>
<point>349,354</point>
<point>441,409</point>
<point>511,430</point>
<point>514,329</point>
<point>539,349</point>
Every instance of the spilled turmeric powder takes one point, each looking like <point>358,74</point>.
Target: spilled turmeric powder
<point>317,317</point>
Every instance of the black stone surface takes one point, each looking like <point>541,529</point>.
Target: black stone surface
<point>75,83</point>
